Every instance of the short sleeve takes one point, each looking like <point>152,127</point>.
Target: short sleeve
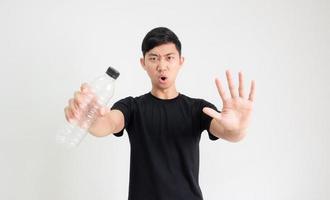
<point>126,106</point>
<point>205,120</point>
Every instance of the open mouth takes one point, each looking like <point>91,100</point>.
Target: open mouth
<point>162,79</point>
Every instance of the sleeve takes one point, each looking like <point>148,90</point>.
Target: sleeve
<point>126,107</point>
<point>205,120</point>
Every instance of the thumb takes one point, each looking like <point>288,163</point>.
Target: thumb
<point>103,111</point>
<point>212,113</point>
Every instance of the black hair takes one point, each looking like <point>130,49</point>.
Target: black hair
<point>159,36</point>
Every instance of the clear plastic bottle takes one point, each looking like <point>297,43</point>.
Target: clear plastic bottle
<point>102,89</point>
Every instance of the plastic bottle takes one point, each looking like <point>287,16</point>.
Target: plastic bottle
<point>102,89</point>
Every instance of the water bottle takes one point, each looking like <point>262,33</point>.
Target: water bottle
<point>102,89</point>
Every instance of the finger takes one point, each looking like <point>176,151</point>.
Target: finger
<point>212,113</point>
<point>69,115</point>
<point>241,85</point>
<point>85,88</point>
<point>252,91</point>
<point>220,89</point>
<point>73,108</point>
<point>71,104</point>
<point>102,111</point>
<point>78,97</point>
<point>231,84</point>
<point>81,100</point>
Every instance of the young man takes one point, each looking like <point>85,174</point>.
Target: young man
<point>164,126</point>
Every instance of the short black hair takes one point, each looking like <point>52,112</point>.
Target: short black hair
<point>159,36</point>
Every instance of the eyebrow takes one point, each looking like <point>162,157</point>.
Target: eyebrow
<point>153,54</point>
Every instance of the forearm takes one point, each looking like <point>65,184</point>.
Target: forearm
<point>110,123</point>
<point>232,135</point>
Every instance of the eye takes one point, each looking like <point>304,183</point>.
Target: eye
<point>152,58</point>
<point>170,57</point>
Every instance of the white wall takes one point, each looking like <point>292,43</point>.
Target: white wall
<point>47,48</point>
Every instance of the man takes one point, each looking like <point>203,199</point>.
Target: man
<point>164,126</point>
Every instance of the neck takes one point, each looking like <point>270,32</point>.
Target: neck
<point>168,93</point>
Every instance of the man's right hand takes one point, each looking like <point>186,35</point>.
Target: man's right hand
<point>106,121</point>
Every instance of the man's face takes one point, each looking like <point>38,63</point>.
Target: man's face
<point>162,64</point>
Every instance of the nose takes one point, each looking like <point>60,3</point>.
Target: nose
<point>162,65</point>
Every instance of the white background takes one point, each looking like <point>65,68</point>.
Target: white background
<point>48,48</point>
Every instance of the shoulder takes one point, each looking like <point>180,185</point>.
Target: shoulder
<point>130,102</point>
<point>194,100</point>
<point>132,99</point>
<point>198,103</point>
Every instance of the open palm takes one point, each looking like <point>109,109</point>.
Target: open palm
<point>237,107</point>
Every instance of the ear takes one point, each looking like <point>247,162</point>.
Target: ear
<point>143,63</point>
<point>181,61</point>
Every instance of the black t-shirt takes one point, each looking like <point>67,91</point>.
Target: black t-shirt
<point>164,136</point>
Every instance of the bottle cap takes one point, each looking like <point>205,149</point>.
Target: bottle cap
<point>112,72</point>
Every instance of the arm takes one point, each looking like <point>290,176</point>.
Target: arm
<point>107,121</point>
<point>111,122</point>
<point>232,123</point>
